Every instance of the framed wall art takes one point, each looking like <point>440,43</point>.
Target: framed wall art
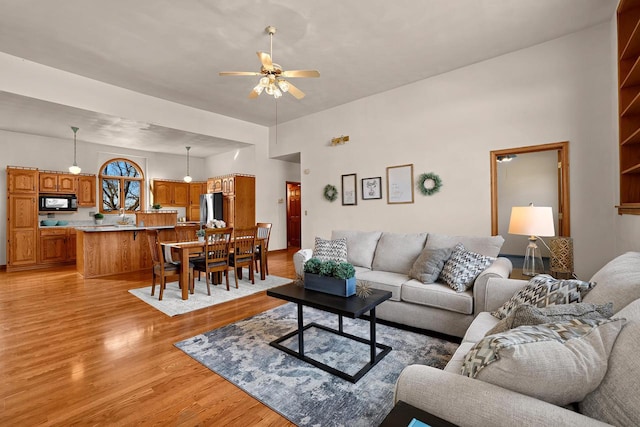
<point>372,188</point>
<point>400,184</point>
<point>349,190</point>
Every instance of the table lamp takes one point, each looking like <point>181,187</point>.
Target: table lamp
<point>532,221</point>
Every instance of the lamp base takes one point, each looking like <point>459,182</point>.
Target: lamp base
<point>533,264</point>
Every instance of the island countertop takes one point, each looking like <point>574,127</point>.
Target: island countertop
<point>102,228</point>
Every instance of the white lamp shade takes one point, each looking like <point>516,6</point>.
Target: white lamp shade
<point>75,169</point>
<point>187,178</point>
<point>531,221</point>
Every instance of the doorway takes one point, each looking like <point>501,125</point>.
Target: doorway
<point>538,174</point>
<point>294,220</point>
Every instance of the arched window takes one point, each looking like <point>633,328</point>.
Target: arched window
<point>121,181</point>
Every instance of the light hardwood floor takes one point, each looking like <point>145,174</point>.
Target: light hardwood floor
<point>86,352</point>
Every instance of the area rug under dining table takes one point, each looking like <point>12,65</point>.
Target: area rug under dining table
<point>305,395</point>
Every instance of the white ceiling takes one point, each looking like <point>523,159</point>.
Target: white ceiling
<point>174,50</point>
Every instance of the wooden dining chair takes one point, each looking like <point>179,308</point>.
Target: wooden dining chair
<point>186,233</point>
<point>161,268</point>
<point>244,249</point>
<point>264,232</point>
<point>216,255</point>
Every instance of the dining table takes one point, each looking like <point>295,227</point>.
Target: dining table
<point>197,246</point>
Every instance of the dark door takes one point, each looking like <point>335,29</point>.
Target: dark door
<point>294,224</point>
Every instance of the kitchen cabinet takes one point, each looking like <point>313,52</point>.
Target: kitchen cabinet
<point>170,193</point>
<point>195,190</point>
<point>22,218</point>
<point>54,182</point>
<point>239,199</point>
<point>214,185</point>
<point>86,191</point>
<point>57,245</point>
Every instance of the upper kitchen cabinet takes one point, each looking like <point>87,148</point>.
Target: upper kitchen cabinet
<point>22,180</point>
<point>54,182</point>
<point>239,199</point>
<point>86,190</point>
<point>170,193</point>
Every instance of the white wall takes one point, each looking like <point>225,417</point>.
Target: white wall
<point>561,90</point>
<point>529,178</point>
<point>20,149</point>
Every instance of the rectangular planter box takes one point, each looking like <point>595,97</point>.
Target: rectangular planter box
<point>330,285</point>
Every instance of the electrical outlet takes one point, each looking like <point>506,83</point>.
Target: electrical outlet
<point>92,213</point>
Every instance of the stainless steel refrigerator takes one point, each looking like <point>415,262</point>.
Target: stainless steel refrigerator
<point>210,207</point>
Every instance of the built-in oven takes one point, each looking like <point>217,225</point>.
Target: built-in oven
<point>58,203</point>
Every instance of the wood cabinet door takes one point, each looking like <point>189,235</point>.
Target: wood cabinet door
<point>87,190</point>
<point>71,244</point>
<point>67,184</point>
<point>48,182</point>
<point>53,247</point>
<point>22,230</point>
<point>193,213</point>
<point>195,190</point>
<point>22,180</point>
<point>180,194</point>
<point>217,185</point>
<point>162,192</point>
<point>229,210</point>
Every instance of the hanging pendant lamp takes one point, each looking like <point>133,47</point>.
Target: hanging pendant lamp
<point>74,169</point>
<point>188,178</point>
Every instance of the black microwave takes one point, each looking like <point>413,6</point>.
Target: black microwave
<point>58,203</point>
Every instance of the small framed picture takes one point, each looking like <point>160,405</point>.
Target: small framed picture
<point>349,190</point>
<point>372,188</point>
<point>400,184</point>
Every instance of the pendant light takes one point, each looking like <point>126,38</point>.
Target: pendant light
<point>74,169</point>
<point>188,177</point>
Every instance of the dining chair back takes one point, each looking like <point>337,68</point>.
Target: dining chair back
<point>264,233</point>
<point>186,233</point>
<point>216,255</point>
<point>161,268</point>
<point>244,248</point>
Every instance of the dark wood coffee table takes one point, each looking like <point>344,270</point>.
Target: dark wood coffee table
<point>351,307</point>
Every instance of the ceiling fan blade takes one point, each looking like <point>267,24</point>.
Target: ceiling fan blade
<point>295,91</point>
<point>301,73</point>
<point>265,58</point>
<point>239,73</point>
<point>253,94</point>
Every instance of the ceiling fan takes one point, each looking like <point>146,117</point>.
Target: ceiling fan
<point>273,80</point>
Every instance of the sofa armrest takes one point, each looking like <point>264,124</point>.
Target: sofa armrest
<point>500,269</point>
<point>469,402</point>
<point>491,294</point>
<point>299,259</point>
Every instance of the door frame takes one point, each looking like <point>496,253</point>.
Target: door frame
<point>564,218</point>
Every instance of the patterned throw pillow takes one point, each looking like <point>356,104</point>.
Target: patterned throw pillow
<point>330,250</point>
<point>561,362</point>
<point>543,290</point>
<point>526,314</point>
<point>429,264</point>
<point>462,268</point>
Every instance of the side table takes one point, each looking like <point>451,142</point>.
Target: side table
<point>402,414</point>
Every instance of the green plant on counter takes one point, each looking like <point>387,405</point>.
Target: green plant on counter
<point>342,270</point>
<point>98,216</point>
<point>157,206</point>
<point>200,233</point>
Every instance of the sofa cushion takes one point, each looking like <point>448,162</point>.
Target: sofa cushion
<point>462,268</point>
<point>485,245</point>
<point>437,295</point>
<point>429,264</point>
<point>561,362</point>
<point>617,401</point>
<point>479,327</point>
<point>330,250</point>
<point>361,245</point>
<point>397,252</point>
<point>543,290</point>
<point>526,314</point>
<point>385,281</point>
<point>618,282</point>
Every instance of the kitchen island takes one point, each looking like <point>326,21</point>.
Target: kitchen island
<point>112,249</point>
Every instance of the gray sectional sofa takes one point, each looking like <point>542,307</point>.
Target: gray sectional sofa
<point>384,259</point>
<point>473,402</point>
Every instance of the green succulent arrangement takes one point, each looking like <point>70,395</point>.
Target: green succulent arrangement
<point>339,270</point>
<point>98,216</point>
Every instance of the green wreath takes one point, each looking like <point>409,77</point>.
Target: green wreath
<point>330,192</point>
<point>437,183</point>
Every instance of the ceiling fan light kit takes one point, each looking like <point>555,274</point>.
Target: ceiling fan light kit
<point>273,77</point>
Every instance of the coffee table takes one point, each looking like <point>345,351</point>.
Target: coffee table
<point>351,307</point>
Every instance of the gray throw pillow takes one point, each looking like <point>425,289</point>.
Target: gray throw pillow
<point>462,268</point>
<point>330,250</point>
<point>526,314</point>
<point>429,264</point>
